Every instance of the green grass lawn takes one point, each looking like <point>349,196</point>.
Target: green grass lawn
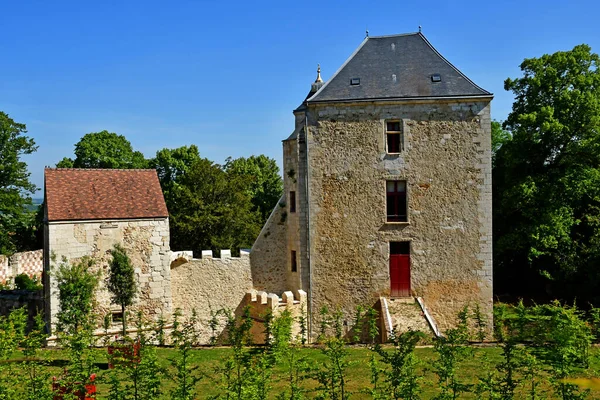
<point>358,374</point>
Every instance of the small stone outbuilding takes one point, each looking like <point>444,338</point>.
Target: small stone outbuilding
<point>88,211</point>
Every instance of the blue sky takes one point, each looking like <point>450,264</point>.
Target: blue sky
<point>226,75</point>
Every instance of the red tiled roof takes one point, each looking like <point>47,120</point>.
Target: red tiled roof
<point>81,194</point>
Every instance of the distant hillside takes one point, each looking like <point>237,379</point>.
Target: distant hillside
<point>35,204</point>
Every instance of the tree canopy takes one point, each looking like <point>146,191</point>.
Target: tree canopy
<point>547,176</point>
<point>104,150</point>
<point>213,210</point>
<point>15,186</point>
<point>265,185</point>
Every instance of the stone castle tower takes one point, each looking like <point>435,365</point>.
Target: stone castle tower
<point>387,179</point>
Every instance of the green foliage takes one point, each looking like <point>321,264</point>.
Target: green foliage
<point>76,290</point>
<point>36,373</point>
<point>400,378</point>
<point>24,282</point>
<point>499,137</point>
<point>15,186</point>
<point>186,376</point>
<point>547,178</point>
<point>324,323</point>
<point>138,363</point>
<point>104,150</point>
<point>12,334</point>
<point>480,323</point>
<point>372,324</point>
<point>331,376</point>
<point>563,340</point>
<point>295,366</point>
<point>160,333</point>
<point>302,321</point>
<point>265,185</point>
<point>212,210</point>
<point>121,282</point>
<point>451,349</point>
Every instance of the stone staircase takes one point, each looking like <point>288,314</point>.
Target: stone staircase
<point>404,314</point>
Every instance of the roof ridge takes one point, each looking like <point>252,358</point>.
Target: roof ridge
<point>452,65</point>
<point>396,35</point>
<point>99,169</point>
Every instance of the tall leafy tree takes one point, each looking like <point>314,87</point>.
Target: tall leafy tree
<point>547,177</point>
<point>172,164</point>
<point>15,186</point>
<point>104,150</point>
<point>265,185</point>
<point>213,210</point>
<point>121,282</point>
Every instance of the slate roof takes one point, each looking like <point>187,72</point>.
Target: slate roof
<point>87,194</point>
<point>396,67</point>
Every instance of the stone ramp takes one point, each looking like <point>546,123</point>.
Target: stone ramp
<point>405,314</point>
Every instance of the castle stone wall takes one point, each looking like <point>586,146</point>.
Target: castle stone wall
<point>208,285</point>
<point>447,166</point>
<point>146,242</point>
<point>269,252</point>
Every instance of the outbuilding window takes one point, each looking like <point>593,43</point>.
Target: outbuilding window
<point>396,201</point>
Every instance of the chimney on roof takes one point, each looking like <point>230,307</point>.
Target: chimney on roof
<point>318,83</point>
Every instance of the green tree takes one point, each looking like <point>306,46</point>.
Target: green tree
<point>15,186</point>
<point>104,150</point>
<point>172,164</point>
<point>211,209</point>
<point>121,281</point>
<point>499,137</point>
<point>76,293</point>
<point>547,177</point>
<point>265,185</point>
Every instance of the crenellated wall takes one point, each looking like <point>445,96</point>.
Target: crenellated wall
<point>210,284</point>
<point>260,303</point>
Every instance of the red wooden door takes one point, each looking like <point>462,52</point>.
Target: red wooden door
<point>400,275</point>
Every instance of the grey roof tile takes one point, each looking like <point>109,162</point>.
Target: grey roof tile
<point>399,66</point>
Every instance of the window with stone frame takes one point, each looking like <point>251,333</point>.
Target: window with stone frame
<point>394,137</point>
<point>397,209</point>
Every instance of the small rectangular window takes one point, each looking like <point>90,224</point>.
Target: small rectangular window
<point>292,201</point>
<point>394,138</point>
<point>396,201</point>
<point>294,262</point>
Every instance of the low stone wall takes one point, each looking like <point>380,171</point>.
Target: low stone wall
<point>261,302</point>
<point>208,285</point>
<point>32,300</point>
<point>27,262</point>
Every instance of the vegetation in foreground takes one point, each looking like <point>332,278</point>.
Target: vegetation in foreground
<point>539,352</point>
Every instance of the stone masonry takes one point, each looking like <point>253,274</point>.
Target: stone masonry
<point>146,242</point>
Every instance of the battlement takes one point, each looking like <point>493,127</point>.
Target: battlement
<point>261,303</point>
<point>188,255</point>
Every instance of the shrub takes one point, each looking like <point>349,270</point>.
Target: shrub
<point>24,282</point>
